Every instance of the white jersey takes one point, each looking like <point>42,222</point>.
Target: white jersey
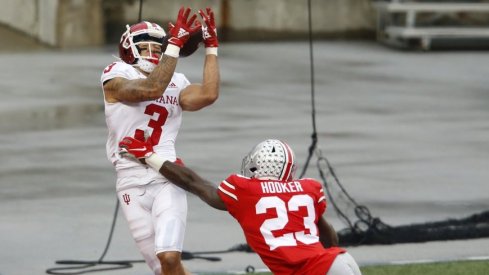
<point>160,118</point>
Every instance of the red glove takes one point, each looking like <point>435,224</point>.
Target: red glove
<point>195,30</point>
<point>192,43</point>
<point>135,148</point>
<point>209,32</point>
<point>180,32</point>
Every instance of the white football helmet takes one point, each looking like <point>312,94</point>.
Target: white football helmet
<point>270,159</point>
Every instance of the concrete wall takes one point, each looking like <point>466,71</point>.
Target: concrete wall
<point>80,23</point>
<point>21,14</point>
<point>47,19</point>
<point>330,18</point>
<point>62,23</point>
<point>72,23</point>
<point>268,19</point>
<point>292,15</point>
<point>166,10</point>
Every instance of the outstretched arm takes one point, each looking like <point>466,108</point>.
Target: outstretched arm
<point>197,96</point>
<point>327,234</point>
<point>181,176</point>
<point>187,179</point>
<point>137,90</point>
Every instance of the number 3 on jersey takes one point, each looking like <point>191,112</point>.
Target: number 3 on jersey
<point>269,225</point>
<point>157,124</point>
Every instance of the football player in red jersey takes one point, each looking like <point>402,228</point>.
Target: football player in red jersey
<point>143,94</point>
<point>281,217</point>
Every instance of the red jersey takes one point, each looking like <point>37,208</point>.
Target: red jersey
<point>279,220</point>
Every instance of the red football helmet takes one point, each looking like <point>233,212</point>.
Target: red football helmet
<point>142,32</point>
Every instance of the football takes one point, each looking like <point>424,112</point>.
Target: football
<point>190,46</point>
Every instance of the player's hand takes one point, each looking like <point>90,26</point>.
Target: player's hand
<point>180,32</point>
<point>136,148</point>
<point>194,30</point>
<point>209,31</point>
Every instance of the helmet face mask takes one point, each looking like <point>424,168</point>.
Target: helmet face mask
<point>143,33</point>
<point>271,159</point>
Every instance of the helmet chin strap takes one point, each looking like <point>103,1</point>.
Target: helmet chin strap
<point>145,65</point>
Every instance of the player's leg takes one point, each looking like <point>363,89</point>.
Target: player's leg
<point>171,263</point>
<point>136,207</point>
<point>344,264</point>
<point>170,216</point>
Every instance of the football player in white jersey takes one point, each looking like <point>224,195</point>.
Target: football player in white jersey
<point>144,96</point>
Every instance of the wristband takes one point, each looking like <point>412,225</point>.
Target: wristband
<point>211,50</point>
<point>154,161</point>
<point>172,50</point>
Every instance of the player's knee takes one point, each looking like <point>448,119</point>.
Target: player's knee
<point>169,260</point>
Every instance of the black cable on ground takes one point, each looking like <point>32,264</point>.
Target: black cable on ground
<point>471,227</point>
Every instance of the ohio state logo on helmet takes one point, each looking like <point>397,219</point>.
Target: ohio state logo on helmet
<point>270,159</point>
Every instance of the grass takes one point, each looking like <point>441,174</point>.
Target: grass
<point>445,268</point>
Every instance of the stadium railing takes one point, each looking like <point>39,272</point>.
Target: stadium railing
<point>418,23</point>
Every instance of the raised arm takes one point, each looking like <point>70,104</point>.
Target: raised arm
<point>181,176</point>
<point>156,82</point>
<point>327,234</point>
<point>137,90</point>
<point>197,96</point>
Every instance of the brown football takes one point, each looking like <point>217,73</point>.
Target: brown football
<point>190,46</point>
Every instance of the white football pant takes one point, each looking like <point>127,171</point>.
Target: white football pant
<point>344,264</point>
<point>156,214</point>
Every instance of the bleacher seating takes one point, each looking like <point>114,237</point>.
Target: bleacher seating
<point>418,23</point>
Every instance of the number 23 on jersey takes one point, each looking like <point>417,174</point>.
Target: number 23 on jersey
<point>279,222</point>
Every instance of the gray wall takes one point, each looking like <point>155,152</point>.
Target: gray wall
<point>63,23</point>
<point>268,19</point>
<point>72,23</point>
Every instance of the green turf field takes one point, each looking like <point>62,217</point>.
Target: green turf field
<point>445,268</point>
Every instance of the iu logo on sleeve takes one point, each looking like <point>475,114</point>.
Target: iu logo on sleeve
<point>126,198</point>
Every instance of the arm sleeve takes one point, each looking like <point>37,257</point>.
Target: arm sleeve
<point>320,197</point>
<point>116,69</point>
<point>227,190</point>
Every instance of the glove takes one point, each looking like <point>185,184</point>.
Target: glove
<point>197,28</point>
<point>209,32</point>
<point>192,44</point>
<point>180,32</point>
<point>136,148</point>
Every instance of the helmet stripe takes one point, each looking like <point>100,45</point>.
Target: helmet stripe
<point>289,160</point>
